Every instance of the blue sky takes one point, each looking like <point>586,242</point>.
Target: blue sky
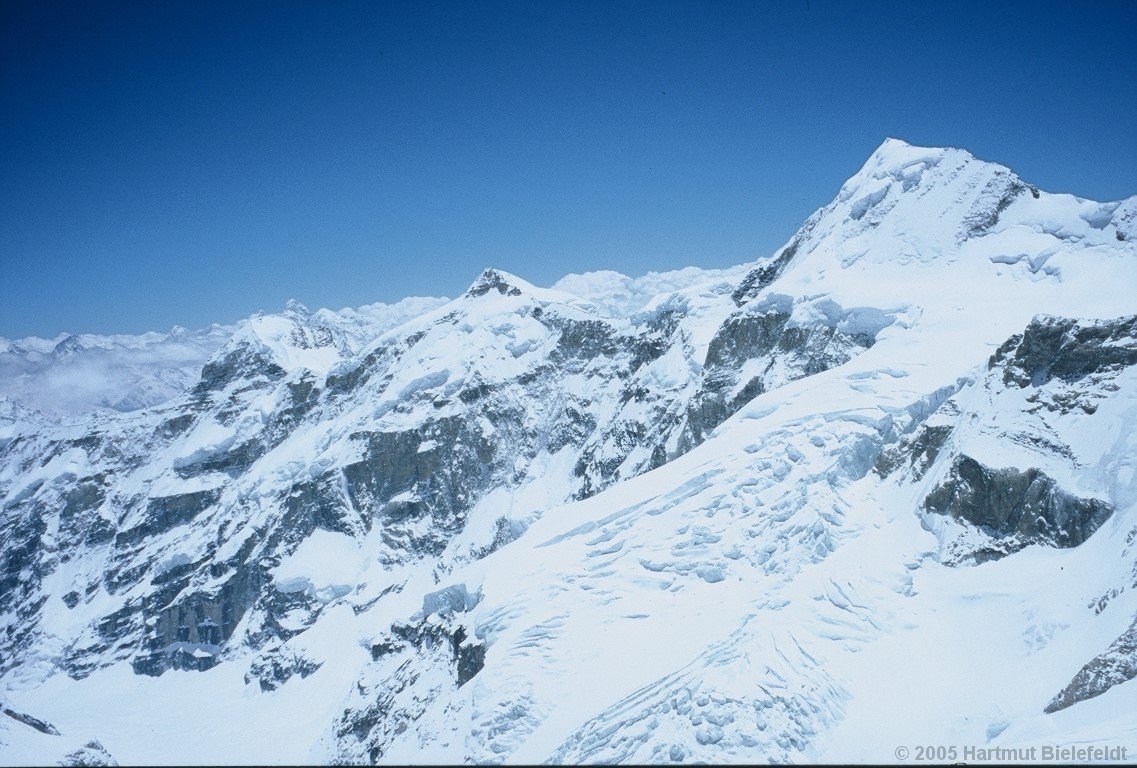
<point>166,163</point>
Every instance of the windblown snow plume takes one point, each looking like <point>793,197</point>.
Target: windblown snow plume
<point>878,489</point>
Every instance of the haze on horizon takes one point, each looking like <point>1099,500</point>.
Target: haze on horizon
<point>188,163</point>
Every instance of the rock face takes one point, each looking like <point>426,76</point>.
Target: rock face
<point>92,753</point>
<point>31,722</point>
<point>660,519</point>
<point>1057,368</point>
<point>764,346</point>
<point>1116,665</point>
<point>1060,348</point>
<point>1017,507</point>
<point>917,452</point>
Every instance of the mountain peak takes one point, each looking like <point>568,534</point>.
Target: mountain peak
<point>294,310</point>
<point>891,144</point>
<point>500,281</point>
<point>894,155</point>
<point>68,346</point>
<point>906,167</point>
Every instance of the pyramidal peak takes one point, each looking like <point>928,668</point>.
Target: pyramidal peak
<point>892,148</point>
<point>496,283</point>
<point>896,160</point>
<point>912,206</point>
<point>296,310</point>
<point>941,195</point>
<point>499,281</point>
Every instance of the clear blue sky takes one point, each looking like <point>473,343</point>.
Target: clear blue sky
<point>166,163</point>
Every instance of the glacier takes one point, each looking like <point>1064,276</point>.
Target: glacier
<point>878,489</point>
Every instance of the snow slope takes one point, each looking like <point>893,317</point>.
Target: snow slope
<point>875,490</point>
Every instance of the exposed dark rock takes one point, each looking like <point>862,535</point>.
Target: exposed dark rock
<point>23,566</point>
<point>243,362</point>
<point>573,427</point>
<point>118,632</point>
<point>1118,664</point>
<point>1026,506</point>
<point>469,656</point>
<point>90,754</point>
<point>581,341</point>
<point>190,632</point>
<point>345,380</point>
<point>382,708</point>
<point>303,395</point>
<point>783,351</point>
<point>32,722</point>
<point>439,484</point>
<point>433,472</point>
<point>166,512</point>
<point>449,601</point>
<point>1003,188</point>
<point>384,648</point>
<point>492,280</point>
<point>232,461</point>
<point>919,451</point>
<point>176,425</point>
<point>505,531</point>
<point>1060,348</point>
<point>274,669</point>
<point>321,503</point>
<point>759,278</point>
<point>79,502</point>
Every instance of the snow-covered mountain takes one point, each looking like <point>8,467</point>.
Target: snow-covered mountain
<point>878,489</point>
<point>72,375</point>
<point>75,375</point>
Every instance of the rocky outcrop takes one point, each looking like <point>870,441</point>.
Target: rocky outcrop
<point>412,665</point>
<point>28,720</point>
<point>189,632</point>
<point>92,753</point>
<point>1055,347</point>
<point>917,452</point>
<point>166,512</point>
<point>766,345</point>
<point>274,669</point>
<point>1015,507</point>
<point>1116,665</point>
<point>1056,369</point>
<point>763,275</point>
<point>995,197</point>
